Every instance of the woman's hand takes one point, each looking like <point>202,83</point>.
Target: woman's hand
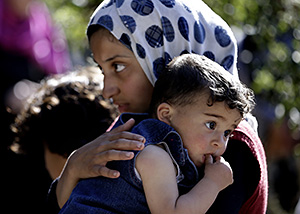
<point>90,160</point>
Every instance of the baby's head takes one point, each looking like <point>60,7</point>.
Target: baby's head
<point>189,76</point>
<point>202,102</point>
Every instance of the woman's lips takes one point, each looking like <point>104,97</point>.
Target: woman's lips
<point>122,107</point>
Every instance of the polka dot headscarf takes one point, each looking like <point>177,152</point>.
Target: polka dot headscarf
<point>159,30</point>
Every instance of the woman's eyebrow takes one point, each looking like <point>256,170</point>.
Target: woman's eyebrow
<point>111,58</point>
<point>116,56</point>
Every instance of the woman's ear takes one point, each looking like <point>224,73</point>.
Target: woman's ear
<point>164,113</point>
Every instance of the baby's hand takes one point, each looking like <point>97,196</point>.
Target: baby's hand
<point>219,171</point>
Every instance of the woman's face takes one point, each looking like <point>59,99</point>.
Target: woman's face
<point>124,80</point>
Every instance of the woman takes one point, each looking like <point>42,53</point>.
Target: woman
<point>131,42</point>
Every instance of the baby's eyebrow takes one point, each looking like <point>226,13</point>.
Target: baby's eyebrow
<point>215,115</point>
<point>222,118</point>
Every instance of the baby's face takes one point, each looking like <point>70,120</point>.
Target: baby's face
<point>204,129</point>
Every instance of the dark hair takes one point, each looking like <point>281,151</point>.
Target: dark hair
<point>190,74</point>
<point>92,29</point>
<point>65,113</point>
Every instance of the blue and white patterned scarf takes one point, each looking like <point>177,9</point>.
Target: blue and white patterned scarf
<point>159,30</point>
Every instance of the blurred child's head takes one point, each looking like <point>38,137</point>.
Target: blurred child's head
<point>66,112</point>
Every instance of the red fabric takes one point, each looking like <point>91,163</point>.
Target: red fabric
<point>257,203</point>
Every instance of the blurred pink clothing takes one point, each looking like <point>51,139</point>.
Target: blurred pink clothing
<point>34,37</point>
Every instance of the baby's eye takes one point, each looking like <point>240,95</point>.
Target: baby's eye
<point>119,67</point>
<point>211,125</point>
<point>227,133</point>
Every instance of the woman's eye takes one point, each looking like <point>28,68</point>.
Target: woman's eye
<point>227,133</point>
<point>211,125</point>
<point>119,67</point>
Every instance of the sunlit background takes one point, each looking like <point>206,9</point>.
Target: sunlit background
<point>268,34</point>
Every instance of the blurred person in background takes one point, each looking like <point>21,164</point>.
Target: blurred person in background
<point>31,47</point>
<point>66,112</point>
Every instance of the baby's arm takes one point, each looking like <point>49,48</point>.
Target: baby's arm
<point>159,181</point>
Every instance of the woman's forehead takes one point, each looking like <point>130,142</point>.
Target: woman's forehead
<point>105,47</point>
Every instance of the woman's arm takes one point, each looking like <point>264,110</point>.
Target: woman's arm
<point>90,160</point>
<point>159,181</point>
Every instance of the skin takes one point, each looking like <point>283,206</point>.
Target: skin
<point>128,86</point>
<point>91,159</point>
<point>212,125</point>
<point>205,131</point>
<point>124,79</point>
<point>54,162</point>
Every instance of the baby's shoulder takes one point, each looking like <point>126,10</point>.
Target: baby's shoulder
<point>153,156</point>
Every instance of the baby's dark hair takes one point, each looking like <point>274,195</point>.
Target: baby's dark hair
<point>190,74</point>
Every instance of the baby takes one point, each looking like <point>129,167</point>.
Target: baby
<point>196,105</point>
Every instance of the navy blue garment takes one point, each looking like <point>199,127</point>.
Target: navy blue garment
<point>125,194</point>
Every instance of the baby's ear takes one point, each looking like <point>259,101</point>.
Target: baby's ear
<point>164,113</point>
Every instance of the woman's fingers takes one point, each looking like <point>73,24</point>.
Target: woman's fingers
<point>99,168</point>
<point>113,155</point>
<point>121,144</point>
<point>125,135</point>
<point>90,160</point>
<point>105,172</point>
<point>125,127</point>
<point>120,139</point>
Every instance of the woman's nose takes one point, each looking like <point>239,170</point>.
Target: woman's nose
<point>110,88</point>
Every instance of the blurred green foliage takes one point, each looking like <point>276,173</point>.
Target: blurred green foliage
<point>272,26</point>
<point>73,16</point>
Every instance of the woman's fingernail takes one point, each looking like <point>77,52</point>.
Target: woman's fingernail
<point>140,145</point>
<point>115,174</point>
<point>128,154</point>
